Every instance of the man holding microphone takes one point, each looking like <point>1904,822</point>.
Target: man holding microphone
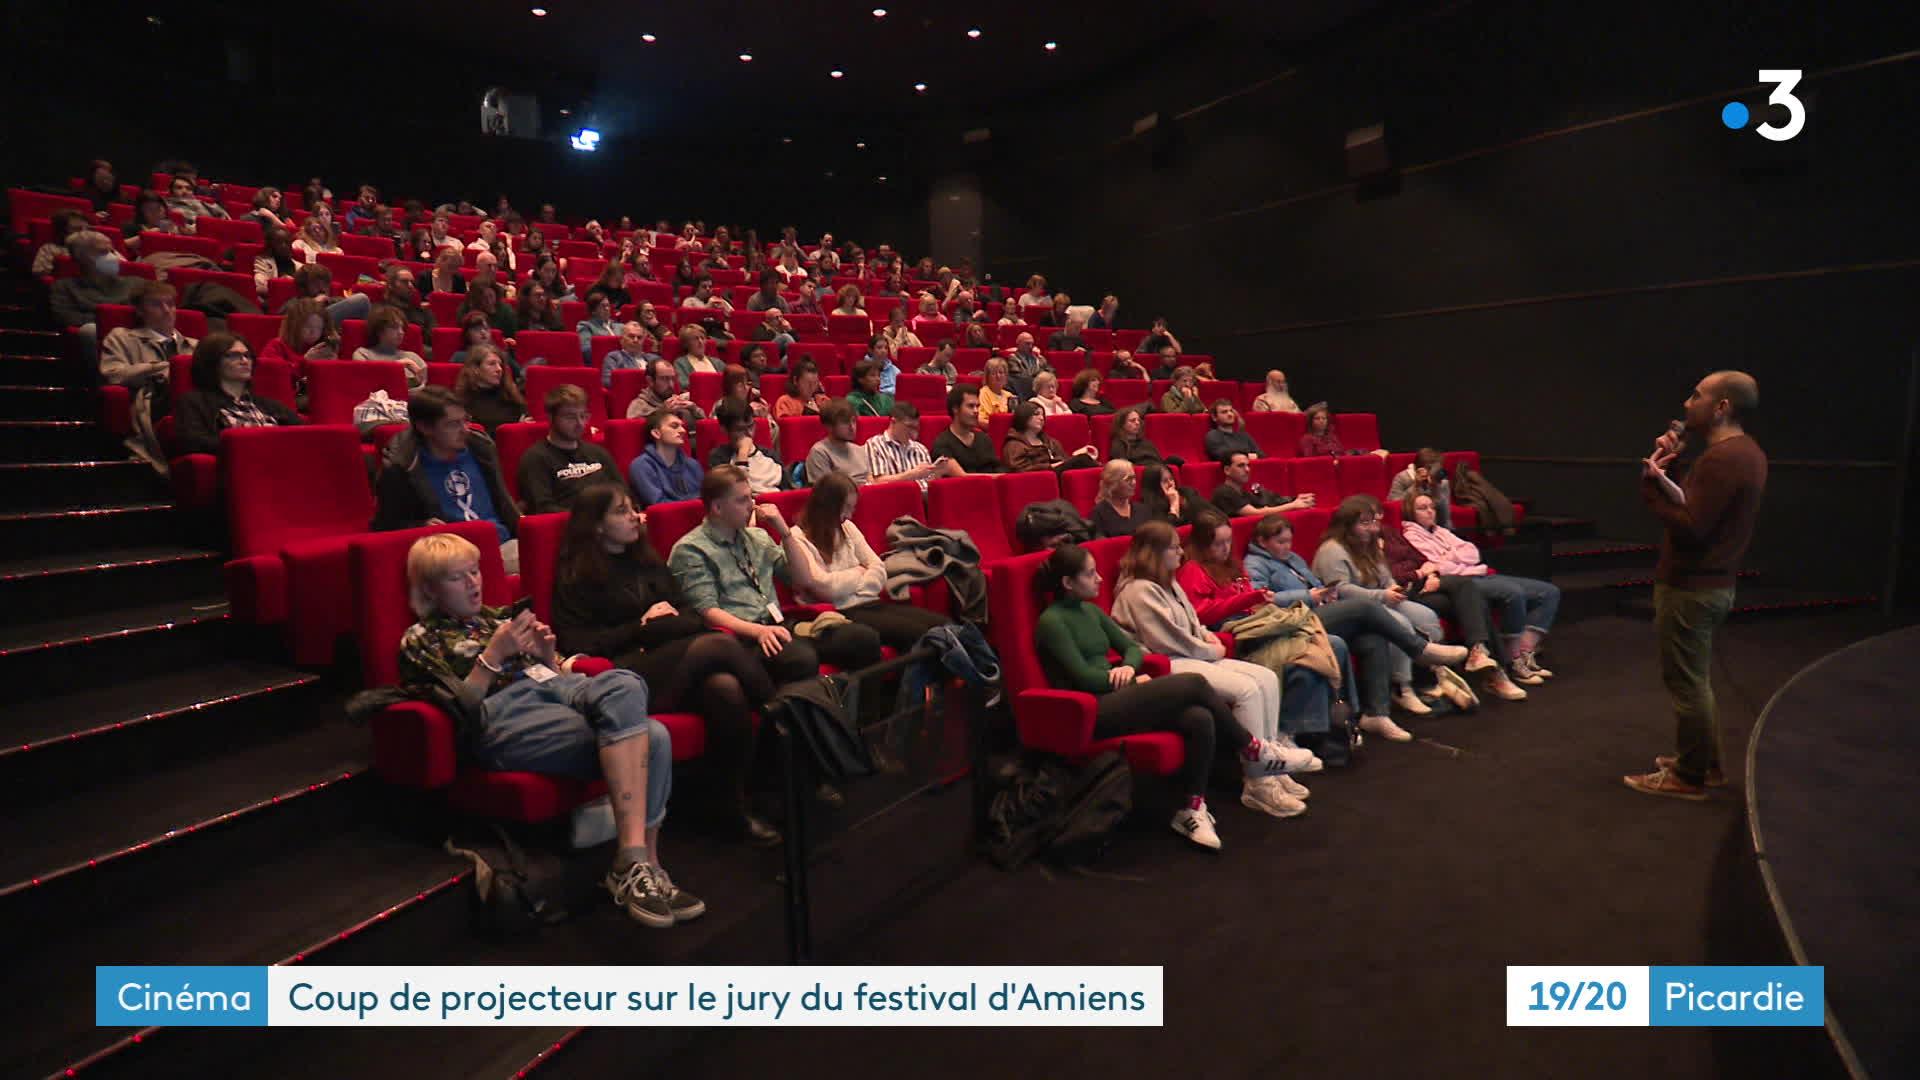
<point>1709,522</point>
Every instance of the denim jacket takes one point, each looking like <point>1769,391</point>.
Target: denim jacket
<point>1288,580</point>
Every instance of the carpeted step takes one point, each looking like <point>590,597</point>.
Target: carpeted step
<point>35,401</point>
<point>1754,600</point>
<point>1571,556</point>
<point>145,521</point>
<point>98,481</point>
<point>108,578</point>
<point>56,440</point>
<point>66,649</point>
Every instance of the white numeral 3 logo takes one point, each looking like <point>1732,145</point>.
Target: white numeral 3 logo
<point>1784,80</point>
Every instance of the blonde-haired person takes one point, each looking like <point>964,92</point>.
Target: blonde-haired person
<point>1114,512</point>
<point>1150,606</point>
<point>995,396</point>
<point>386,330</point>
<point>1275,397</point>
<point>316,237</point>
<point>535,714</point>
<point>695,356</point>
<point>1034,302</point>
<point>1046,394</point>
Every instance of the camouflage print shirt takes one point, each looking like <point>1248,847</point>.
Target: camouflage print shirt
<point>443,646</point>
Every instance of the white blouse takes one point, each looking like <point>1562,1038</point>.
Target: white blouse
<point>855,576</point>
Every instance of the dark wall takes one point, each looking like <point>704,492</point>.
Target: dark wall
<point>1574,239</point>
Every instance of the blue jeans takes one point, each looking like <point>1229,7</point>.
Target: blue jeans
<point>559,727</point>
<point>357,306</point>
<point>1306,697</point>
<point>1523,603</point>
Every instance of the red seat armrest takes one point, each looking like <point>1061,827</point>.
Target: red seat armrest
<point>1059,721</point>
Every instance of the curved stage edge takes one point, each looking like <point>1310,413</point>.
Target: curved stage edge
<point>1834,827</point>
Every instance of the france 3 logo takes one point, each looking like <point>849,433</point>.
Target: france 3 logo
<point>1736,115</point>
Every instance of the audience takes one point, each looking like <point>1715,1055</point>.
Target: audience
<point>896,453</point>
<point>1086,395</point>
<point>614,597</point>
<point>1159,340</point>
<point>837,451</point>
<point>1239,495</point>
<point>1129,440</point>
<point>222,397</point>
<point>850,302</point>
<point>737,384</point>
<point>74,300</point>
<point>1149,606</point>
<point>1184,395</point>
<point>554,471</point>
<point>66,224</point>
<point>1425,475</point>
<point>942,364</point>
<point>1107,317</point>
<point>1227,436</point>
<point>142,355</point>
<point>1527,605</point>
<point>598,323</point>
<point>1023,365</point>
<point>1028,448</point>
<point>804,396</point>
<point>963,442</point>
<point>1164,498</point>
<point>896,333</point>
<point>1320,441</point>
<point>1125,367</point>
<point>182,199</point>
<point>537,310</point>
<point>1275,397</point>
<point>664,391</point>
<point>1069,336</point>
<point>386,329</point>
<point>306,333</point>
<point>694,356</point>
<point>1034,303</point>
<point>535,715</point>
<point>880,354</point>
<point>1073,637</point>
<point>439,470</point>
<point>637,352</point>
<point>995,395</point>
<point>316,238</point>
<point>832,563</point>
<point>1046,395</point>
<point>738,448</point>
<point>665,470</point>
<point>867,397</point>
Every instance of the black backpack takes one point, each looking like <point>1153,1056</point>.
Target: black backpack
<point>512,896</point>
<point>1069,812</point>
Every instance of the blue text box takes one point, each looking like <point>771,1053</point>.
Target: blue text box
<point>1730,996</point>
<point>179,996</point>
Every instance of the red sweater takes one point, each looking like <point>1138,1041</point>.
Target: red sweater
<point>1216,603</point>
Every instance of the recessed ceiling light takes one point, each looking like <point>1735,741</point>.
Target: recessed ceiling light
<point>974,33</point>
<point>566,112</point>
<point>746,58</point>
<point>648,38</point>
<point>879,13</point>
<point>786,140</point>
<point>919,88</point>
<point>1051,45</point>
<point>837,74</point>
<point>881,179</point>
<point>859,146</point>
<point>539,12</point>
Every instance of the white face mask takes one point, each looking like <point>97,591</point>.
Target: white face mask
<point>106,266</point>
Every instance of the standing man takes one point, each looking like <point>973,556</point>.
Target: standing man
<point>1709,522</point>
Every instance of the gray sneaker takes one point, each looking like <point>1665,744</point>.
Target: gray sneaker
<point>685,906</point>
<point>638,889</point>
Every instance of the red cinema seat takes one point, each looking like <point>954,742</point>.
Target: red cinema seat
<point>878,307</point>
<point>972,504</point>
<point>598,346</point>
<point>414,743</point>
<point>1073,431</point>
<point>154,242</point>
<point>1129,340</point>
<point>626,385</point>
<point>1066,363</point>
<point>934,331</point>
<point>1278,433</point>
<point>911,357</point>
<point>866,427</point>
<point>443,374</point>
<point>255,330</point>
<point>1308,527</point>
<point>23,206</point>
<point>668,522</point>
<point>650,292</point>
<point>558,348</point>
<point>1202,476</point>
<point>624,439</point>
<point>1106,558</point>
<point>773,386</point>
<point>1397,463</point>
<point>825,356</point>
<point>445,307</point>
<point>1357,430</point>
<point>849,329</point>
<point>1100,341</point>
<point>1101,430</point>
<point>1006,337</point>
<point>997,427</point>
<point>971,361</point>
<point>1363,474</point>
<point>1182,435</point>
<point>1273,474</point>
<point>280,292</point>
<point>334,387</point>
<point>1081,487</point>
<point>705,389</point>
<point>1316,476</point>
<point>511,441</point>
<point>1212,390</point>
<point>545,377</point>
<point>1121,393</point>
<point>921,388</point>
<point>1017,491</point>
<point>266,514</point>
<point>349,269</point>
<point>797,436</point>
<point>1050,720</point>
<point>880,504</point>
<point>367,247</point>
<point>230,232</point>
<point>446,342</point>
<point>708,434</point>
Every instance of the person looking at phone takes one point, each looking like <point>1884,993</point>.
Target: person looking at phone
<point>1425,476</point>
<point>896,453</point>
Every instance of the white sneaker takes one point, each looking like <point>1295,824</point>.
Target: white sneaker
<point>1408,701</point>
<point>1502,687</point>
<point>1478,659</point>
<point>1197,826</point>
<point>1264,795</point>
<point>1275,759</point>
<point>1384,727</point>
<point>1292,787</point>
<point>1525,673</point>
<point>1437,654</point>
<point>1533,665</point>
<point>1456,690</point>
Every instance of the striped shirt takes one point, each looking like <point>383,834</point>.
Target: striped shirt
<point>888,458</point>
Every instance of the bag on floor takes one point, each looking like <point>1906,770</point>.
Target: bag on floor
<point>1068,812</point>
<point>512,897</point>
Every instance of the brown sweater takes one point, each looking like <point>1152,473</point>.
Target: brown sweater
<point>1706,539</point>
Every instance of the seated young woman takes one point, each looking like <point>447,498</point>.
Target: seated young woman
<point>1527,605</point>
<point>306,333</point>
<point>1073,637</point>
<point>386,330</point>
<point>1114,511</point>
<point>535,715</point>
<point>614,597</point>
<point>1352,558</point>
<point>222,397</point>
<point>832,563</point>
<point>1165,499</point>
<point>1086,395</point>
<point>490,395</point>
<point>1030,449</point>
<point>1148,605</point>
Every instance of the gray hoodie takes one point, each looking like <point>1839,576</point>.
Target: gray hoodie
<point>1163,620</point>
